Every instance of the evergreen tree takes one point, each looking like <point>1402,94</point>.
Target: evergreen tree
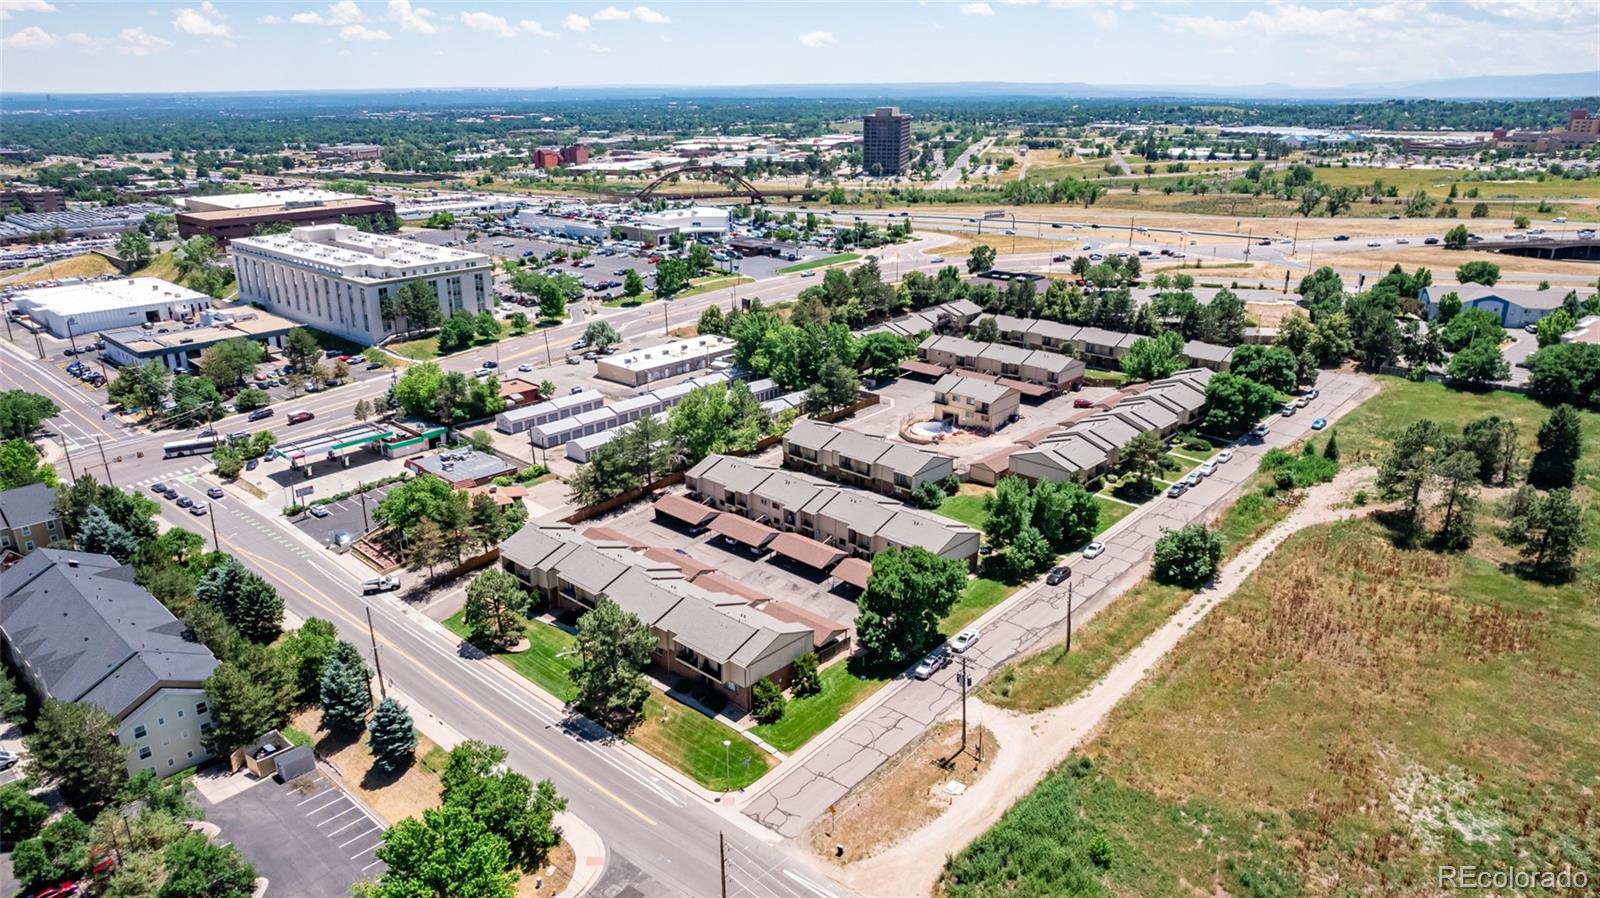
<point>71,748</point>
<point>1458,479</point>
<point>247,601</point>
<point>614,647</point>
<point>392,736</point>
<point>1555,464</point>
<point>1331,450</point>
<point>346,689</point>
<point>99,534</point>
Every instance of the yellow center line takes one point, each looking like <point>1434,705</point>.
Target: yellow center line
<point>389,644</point>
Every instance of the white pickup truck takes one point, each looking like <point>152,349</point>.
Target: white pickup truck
<point>385,583</point>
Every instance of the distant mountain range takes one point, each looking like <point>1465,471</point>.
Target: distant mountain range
<point>1499,87</point>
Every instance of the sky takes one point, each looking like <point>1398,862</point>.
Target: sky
<point>207,45</point>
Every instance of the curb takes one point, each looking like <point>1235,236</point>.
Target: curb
<point>589,854</point>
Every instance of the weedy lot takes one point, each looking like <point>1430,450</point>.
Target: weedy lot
<point>1354,716</point>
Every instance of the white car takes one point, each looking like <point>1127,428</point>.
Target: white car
<point>1224,456</point>
<point>936,259</point>
<point>525,367</point>
<point>1207,469</point>
<point>964,640</point>
<point>1094,550</point>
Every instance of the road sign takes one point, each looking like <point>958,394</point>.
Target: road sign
<point>305,490</point>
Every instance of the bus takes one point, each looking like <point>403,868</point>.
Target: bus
<point>188,447</point>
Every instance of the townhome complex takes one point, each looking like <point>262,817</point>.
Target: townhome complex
<point>894,469</point>
<point>1033,372</point>
<point>975,402</point>
<point>80,630</point>
<point>345,281</point>
<point>852,521</point>
<point>722,638</point>
<point>1093,445</point>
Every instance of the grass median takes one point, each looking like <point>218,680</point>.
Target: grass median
<point>825,261</point>
<point>671,731</point>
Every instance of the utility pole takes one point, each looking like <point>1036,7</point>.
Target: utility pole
<point>68,450</point>
<point>722,856</point>
<point>101,446</point>
<point>361,490</point>
<point>663,315</point>
<point>215,543</point>
<point>1069,618</point>
<point>1295,247</point>
<point>963,703</point>
<point>383,692</point>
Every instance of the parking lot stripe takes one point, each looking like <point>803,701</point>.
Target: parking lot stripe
<point>359,836</point>
<point>365,850</point>
<point>336,816</point>
<point>315,797</point>
<point>330,804</point>
<point>362,819</point>
<point>369,866</point>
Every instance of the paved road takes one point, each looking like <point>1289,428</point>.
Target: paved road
<point>951,176</point>
<point>804,787</point>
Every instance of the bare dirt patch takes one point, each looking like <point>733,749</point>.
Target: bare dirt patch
<point>902,795</point>
<point>1447,260</point>
<point>553,877</point>
<point>393,797</point>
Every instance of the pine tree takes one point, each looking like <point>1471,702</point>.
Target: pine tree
<point>1331,451</point>
<point>391,736</point>
<point>248,602</point>
<point>99,534</point>
<point>346,691</point>
<point>1555,465</point>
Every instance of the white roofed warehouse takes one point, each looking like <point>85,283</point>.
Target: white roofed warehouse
<point>343,280</point>
<point>106,305</point>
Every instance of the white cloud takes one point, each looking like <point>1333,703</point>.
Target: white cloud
<point>138,42</point>
<point>1019,2</point>
<point>31,37</point>
<point>575,22</point>
<point>9,8</point>
<point>483,21</point>
<point>649,16</point>
<point>818,39</point>
<point>1100,12</point>
<point>976,9</point>
<point>536,29</point>
<point>362,33</point>
<point>203,22</point>
<point>612,14</point>
<point>271,20</point>
<point>596,48</point>
<point>1536,10</point>
<point>342,13</point>
<point>79,38</point>
<point>411,18</point>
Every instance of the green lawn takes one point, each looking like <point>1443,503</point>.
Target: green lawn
<point>692,742</point>
<point>981,594</point>
<point>423,350</point>
<point>966,507</point>
<point>670,730</point>
<point>1110,513</point>
<point>628,301</point>
<point>835,259</point>
<point>805,717</point>
<point>547,662</point>
<point>706,285</point>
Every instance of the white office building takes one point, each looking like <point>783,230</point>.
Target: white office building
<point>342,280</point>
<point>691,221</point>
<point>642,366</point>
<point>88,308</point>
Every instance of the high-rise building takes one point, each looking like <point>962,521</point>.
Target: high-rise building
<point>576,154</point>
<point>886,141</point>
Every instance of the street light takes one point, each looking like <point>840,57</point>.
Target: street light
<point>727,752</point>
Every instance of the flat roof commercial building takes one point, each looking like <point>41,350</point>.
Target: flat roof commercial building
<point>858,459</point>
<point>80,630</point>
<point>1514,306</point>
<point>638,367</point>
<point>109,221</point>
<point>344,281</point>
<point>690,221</point>
<point>885,142</point>
<point>107,305</point>
<point>179,348</point>
<point>462,468</point>
<point>227,217</point>
<point>350,152</point>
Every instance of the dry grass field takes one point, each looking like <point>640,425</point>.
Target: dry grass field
<point>87,265</point>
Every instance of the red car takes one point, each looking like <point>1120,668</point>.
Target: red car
<point>65,890</point>
<point>1083,403</point>
<point>106,864</point>
<point>297,417</point>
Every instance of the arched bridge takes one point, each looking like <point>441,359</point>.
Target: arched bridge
<point>728,183</point>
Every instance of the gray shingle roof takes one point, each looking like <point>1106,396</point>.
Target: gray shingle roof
<point>808,433</point>
<point>90,634</point>
<point>25,506</point>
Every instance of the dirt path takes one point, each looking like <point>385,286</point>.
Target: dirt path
<point>1035,743</point>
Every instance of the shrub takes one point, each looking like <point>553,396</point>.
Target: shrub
<point>1360,498</point>
<point>767,698</point>
<point>928,494</point>
<point>806,680</point>
<point>1283,479</point>
<point>1187,557</point>
<point>1100,853</point>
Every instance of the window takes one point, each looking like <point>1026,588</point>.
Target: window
<point>180,712</point>
<point>139,732</point>
<point>188,754</point>
<point>200,707</point>
<point>144,752</point>
<point>27,531</point>
<point>161,721</point>
<point>171,763</point>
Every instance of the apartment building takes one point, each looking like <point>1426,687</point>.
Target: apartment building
<point>974,402</point>
<point>28,519</point>
<point>719,637</point>
<point>1092,446</point>
<point>959,313</point>
<point>346,281</point>
<point>860,523</point>
<point>80,630</point>
<point>1033,372</point>
<point>857,459</point>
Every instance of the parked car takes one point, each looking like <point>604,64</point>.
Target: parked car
<point>1176,489</point>
<point>1082,403</point>
<point>318,511</point>
<point>1194,478</point>
<point>300,417</point>
<point>185,501</point>
<point>937,660</point>
<point>199,508</point>
<point>251,464</point>
<point>1260,430</point>
<point>1319,423</point>
<point>1207,469</point>
<point>158,488</point>
<point>1224,456</point>
<point>385,583</point>
<point>1094,550</point>
<point>8,759</point>
<point>964,640</point>
<point>260,414</point>
<point>215,492</point>
<point>1287,411</point>
<point>1058,575</point>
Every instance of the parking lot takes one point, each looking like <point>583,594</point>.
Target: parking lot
<point>343,515</point>
<point>307,836</point>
